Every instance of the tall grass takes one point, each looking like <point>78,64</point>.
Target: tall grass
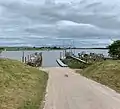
<point>21,86</point>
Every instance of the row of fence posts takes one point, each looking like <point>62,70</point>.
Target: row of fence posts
<point>24,58</point>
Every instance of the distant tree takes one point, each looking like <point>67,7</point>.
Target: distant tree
<point>1,49</point>
<point>54,47</point>
<point>114,49</point>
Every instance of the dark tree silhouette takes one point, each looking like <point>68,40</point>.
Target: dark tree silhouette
<point>114,49</point>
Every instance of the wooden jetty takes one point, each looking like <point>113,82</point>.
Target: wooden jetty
<point>71,55</point>
<point>61,63</point>
<point>34,60</point>
<point>79,59</point>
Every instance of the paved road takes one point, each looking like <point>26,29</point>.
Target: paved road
<point>77,92</point>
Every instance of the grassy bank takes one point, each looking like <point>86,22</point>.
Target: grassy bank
<point>21,86</point>
<point>72,63</point>
<point>106,72</point>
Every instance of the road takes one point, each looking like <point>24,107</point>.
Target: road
<point>77,92</point>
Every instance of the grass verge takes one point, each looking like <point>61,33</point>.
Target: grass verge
<point>106,72</point>
<point>21,86</point>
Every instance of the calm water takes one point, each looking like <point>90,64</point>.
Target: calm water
<point>49,57</point>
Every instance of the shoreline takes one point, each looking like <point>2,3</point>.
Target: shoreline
<point>44,49</point>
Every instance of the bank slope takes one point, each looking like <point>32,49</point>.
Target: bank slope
<point>21,86</point>
<point>106,72</point>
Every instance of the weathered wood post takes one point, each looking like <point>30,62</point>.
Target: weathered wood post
<point>65,53</point>
<point>23,57</point>
<point>60,55</point>
<point>40,59</point>
<point>28,57</point>
<point>0,52</point>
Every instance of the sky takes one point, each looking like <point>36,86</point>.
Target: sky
<point>80,23</point>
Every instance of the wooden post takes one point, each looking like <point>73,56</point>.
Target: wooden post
<point>65,53</point>
<point>25,59</point>
<point>28,58</point>
<point>60,55</point>
<point>22,59</point>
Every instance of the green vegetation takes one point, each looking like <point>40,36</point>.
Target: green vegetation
<point>29,48</point>
<point>72,63</point>
<point>106,72</point>
<point>114,49</point>
<point>91,57</point>
<point>21,86</point>
<point>88,59</point>
<point>92,48</point>
<point>1,49</point>
<point>39,48</point>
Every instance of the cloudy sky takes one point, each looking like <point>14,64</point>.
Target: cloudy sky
<point>86,23</point>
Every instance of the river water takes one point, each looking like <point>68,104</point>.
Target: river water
<point>49,57</point>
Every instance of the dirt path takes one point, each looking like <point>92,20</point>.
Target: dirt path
<point>77,92</point>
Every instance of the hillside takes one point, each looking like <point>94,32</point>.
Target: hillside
<point>106,72</point>
<point>21,86</point>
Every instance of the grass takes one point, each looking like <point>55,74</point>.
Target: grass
<point>21,86</point>
<point>72,63</point>
<point>106,72</point>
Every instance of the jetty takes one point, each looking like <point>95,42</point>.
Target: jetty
<point>79,59</point>
<point>34,60</point>
<point>61,63</point>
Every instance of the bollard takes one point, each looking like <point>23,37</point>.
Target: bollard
<point>25,59</point>
<point>28,58</point>
<point>60,55</point>
<point>22,59</point>
<point>23,56</point>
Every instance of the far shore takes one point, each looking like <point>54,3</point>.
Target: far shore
<point>39,48</point>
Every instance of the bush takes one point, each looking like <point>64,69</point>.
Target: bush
<point>114,49</point>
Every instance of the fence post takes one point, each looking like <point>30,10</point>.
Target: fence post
<point>23,57</point>
<point>60,55</point>
<point>28,58</point>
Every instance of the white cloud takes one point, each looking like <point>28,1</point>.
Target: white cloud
<point>63,19</point>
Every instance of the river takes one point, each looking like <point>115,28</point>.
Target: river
<point>49,57</point>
